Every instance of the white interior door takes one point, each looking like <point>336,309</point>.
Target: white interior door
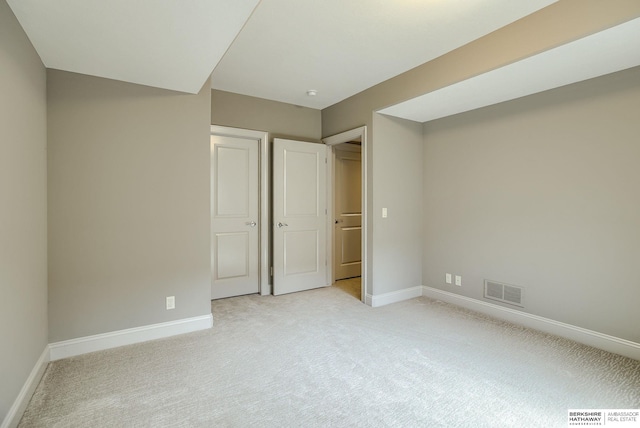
<point>299,216</point>
<point>347,212</point>
<point>234,216</point>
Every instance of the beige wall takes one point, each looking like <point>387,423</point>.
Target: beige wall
<point>397,239</point>
<point>128,189</point>
<point>542,192</point>
<point>23,208</point>
<point>557,24</point>
<point>281,120</point>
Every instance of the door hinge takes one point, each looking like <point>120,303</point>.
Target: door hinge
<point>325,160</point>
<point>271,270</point>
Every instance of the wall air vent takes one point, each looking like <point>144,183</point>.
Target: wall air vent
<point>504,293</point>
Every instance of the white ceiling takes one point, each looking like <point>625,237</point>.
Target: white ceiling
<point>340,48</point>
<point>285,48</point>
<point>612,50</point>
<point>167,44</point>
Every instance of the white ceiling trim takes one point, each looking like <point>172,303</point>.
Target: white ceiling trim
<point>608,51</point>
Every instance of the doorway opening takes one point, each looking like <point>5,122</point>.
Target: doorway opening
<point>347,208</point>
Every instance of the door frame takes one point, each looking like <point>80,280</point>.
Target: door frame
<point>263,197</point>
<point>334,140</point>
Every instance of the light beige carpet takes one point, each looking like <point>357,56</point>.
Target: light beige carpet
<point>323,359</point>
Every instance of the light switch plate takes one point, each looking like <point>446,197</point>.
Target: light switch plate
<point>459,280</point>
<point>171,302</point>
<point>448,278</point>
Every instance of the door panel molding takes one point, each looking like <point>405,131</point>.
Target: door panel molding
<point>297,260</point>
<point>231,204</point>
<point>234,246</point>
<point>301,167</point>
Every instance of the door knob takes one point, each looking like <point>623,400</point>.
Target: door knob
<point>280,224</point>
<point>251,223</point>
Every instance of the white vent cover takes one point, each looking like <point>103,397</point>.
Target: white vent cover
<point>504,293</point>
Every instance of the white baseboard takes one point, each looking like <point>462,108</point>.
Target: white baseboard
<point>393,297</point>
<point>14,415</point>
<point>368,299</point>
<point>582,335</point>
<point>99,342</point>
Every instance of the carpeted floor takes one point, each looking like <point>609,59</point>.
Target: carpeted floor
<point>323,359</point>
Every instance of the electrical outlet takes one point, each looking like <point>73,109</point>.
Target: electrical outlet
<point>448,278</point>
<point>171,302</point>
<point>384,213</point>
<point>459,280</point>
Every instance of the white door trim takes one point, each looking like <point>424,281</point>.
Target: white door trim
<point>346,137</point>
<point>263,177</point>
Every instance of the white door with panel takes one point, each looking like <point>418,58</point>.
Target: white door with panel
<point>299,216</point>
<point>347,212</point>
<point>234,216</point>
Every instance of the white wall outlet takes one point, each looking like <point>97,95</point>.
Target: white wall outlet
<point>384,213</point>
<point>448,278</point>
<point>171,302</point>
<point>459,280</point>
